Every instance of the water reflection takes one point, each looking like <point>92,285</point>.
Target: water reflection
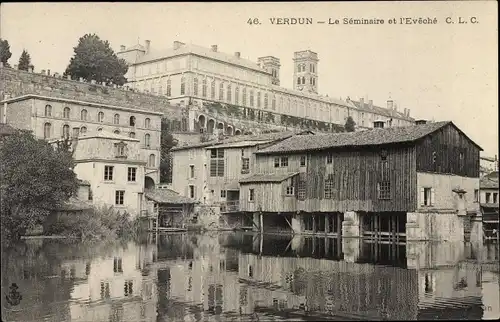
<point>242,276</point>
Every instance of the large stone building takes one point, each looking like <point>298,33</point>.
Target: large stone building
<point>191,74</point>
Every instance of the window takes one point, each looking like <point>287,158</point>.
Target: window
<point>131,134</point>
<point>195,86</point>
<point>120,150</point>
<point>76,132</point>
<point>427,196</point>
<point>245,165</point>
<point>83,115</point>
<point>128,288</point>
<point>221,91</point>
<point>302,160</point>
<point>132,121</point>
<point>251,195</point>
<point>251,98</point>
<point>273,104</point>
<point>66,113</point>
<point>147,123</point>
<point>258,99</point>
<point>329,182</point>
<point>183,85</point>
<point>116,131</point>
<point>495,197</point>
<point>244,98</point>
<point>191,171</point>
<point>99,129</point>
<point>488,197</point>
<point>223,193</point>
<point>131,174</point>
<point>204,88</point>
<point>329,159</point>
<point>169,88</point>
<point>216,162</point>
<point>191,191</point>
<point>116,119</point>
<point>83,130</point>
<point>152,161</point>
<point>276,162</point>
<point>266,100</point>
<point>298,79</point>
<point>476,195</point>
<point>100,117</point>
<point>237,95</point>
<point>65,131</point>
<point>229,93</point>
<point>119,194</point>
<point>301,188</point>
<point>147,140</point>
<point>108,173</point>
<point>384,184</point>
<point>46,130</point>
<point>289,190</point>
<point>212,89</point>
<point>284,161</point>
<point>48,110</point>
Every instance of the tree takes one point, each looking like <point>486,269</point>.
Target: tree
<point>24,61</point>
<point>94,59</point>
<point>4,52</point>
<point>349,124</point>
<point>167,143</point>
<point>34,178</point>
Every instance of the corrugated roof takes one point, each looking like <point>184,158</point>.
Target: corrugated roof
<point>260,138</point>
<point>268,177</point>
<point>167,196</point>
<point>350,139</point>
<point>201,51</point>
<point>488,183</point>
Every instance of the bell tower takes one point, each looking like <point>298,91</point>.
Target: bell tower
<point>305,75</point>
<point>272,65</point>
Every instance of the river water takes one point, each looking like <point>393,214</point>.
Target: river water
<point>243,277</point>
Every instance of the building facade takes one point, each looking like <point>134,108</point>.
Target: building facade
<point>186,73</point>
<point>400,181</point>
<point>55,118</point>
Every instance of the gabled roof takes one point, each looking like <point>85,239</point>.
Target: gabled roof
<point>379,110</point>
<point>268,178</point>
<point>488,183</point>
<point>373,137</point>
<point>254,138</point>
<point>167,196</point>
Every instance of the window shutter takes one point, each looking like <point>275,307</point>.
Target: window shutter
<point>432,196</point>
<point>422,196</point>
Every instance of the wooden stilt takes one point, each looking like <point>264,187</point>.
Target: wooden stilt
<point>289,224</point>
<point>261,222</point>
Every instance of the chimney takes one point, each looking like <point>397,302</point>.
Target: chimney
<point>178,44</point>
<point>214,48</point>
<point>420,122</point>
<point>408,112</point>
<point>122,48</point>
<point>362,102</point>
<point>48,72</point>
<point>31,68</point>
<point>378,124</point>
<point>147,45</point>
<point>237,54</point>
<point>370,103</point>
<point>390,104</point>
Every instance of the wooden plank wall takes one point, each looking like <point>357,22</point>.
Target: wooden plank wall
<point>448,143</point>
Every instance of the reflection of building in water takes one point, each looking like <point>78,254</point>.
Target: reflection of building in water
<point>115,287</point>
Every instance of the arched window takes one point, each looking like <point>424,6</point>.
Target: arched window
<point>132,134</point>
<point>83,130</point>
<point>303,80</point>
<point>83,115</point>
<point>116,119</point>
<point>229,92</point>
<point>152,161</point>
<point>116,131</point>
<point>183,85</point>
<point>48,110</point>
<point>132,121</point>
<point>204,88</point>
<point>46,130</point>
<point>195,86</point>
<point>147,140</point>
<point>298,80</point>
<point>237,95</point>
<point>66,112</point>
<point>100,117</point>
<point>99,129</point>
<point>147,123</point>
<point>65,131</point>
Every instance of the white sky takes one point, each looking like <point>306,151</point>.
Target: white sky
<point>441,72</point>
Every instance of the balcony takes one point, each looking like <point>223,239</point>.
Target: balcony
<point>230,206</point>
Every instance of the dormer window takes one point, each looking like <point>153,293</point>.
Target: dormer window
<point>120,150</point>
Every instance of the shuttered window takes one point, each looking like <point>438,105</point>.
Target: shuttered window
<point>216,162</point>
<point>426,196</point>
<point>329,182</point>
<point>301,189</point>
